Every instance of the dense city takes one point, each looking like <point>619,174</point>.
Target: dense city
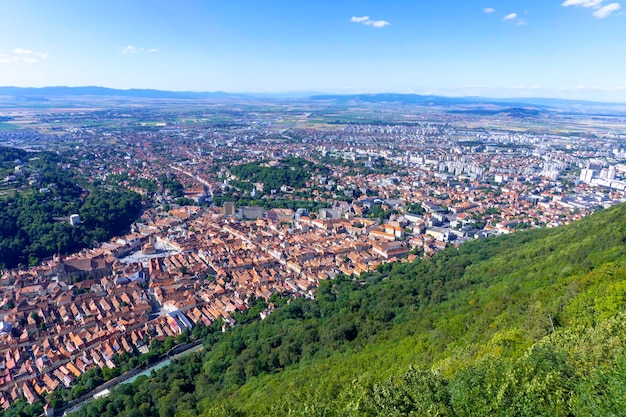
<point>245,202</point>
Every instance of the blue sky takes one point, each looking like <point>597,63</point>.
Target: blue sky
<point>500,48</point>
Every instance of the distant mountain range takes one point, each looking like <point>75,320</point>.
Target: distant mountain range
<point>415,99</point>
<point>50,92</point>
<point>433,100</point>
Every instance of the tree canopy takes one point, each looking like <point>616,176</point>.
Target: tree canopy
<point>532,324</point>
<point>34,221</point>
<point>292,172</point>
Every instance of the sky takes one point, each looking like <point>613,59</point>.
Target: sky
<point>491,48</point>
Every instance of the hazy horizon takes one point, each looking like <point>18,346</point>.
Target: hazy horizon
<point>305,94</point>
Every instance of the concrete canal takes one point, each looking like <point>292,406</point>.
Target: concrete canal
<point>128,378</point>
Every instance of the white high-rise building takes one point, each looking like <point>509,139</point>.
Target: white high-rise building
<point>586,175</point>
<point>611,173</point>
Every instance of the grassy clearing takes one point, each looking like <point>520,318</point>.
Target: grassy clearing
<point>7,126</point>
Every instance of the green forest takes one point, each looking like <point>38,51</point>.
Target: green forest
<point>292,172</point>
<point>267,203</point>
<point>34,219</point>
<point>528,324</point>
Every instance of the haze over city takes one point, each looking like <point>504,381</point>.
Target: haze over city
<point>268,208</point>
<point>565,49</point>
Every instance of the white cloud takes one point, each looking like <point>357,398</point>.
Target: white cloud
<point>510,16</point>
<point>130,49</point>
<point>377,23</point>
<point>361,19</point>
<point>521,22</point>
<point>582,3</point>
<point>489,10</point>
<point>588,88</point>
<point>600,11</point>
<point>604,11</point>
<point>369,22</point>
<point>23,55</point>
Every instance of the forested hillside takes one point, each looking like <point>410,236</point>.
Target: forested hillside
<point>292,172</point>
<point>34,213</point>
<point>527,324</point>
